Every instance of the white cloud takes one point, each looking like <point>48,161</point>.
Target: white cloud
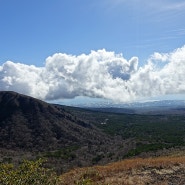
<point>161,5</point>
<point>177,5</point>
<point>100,74</point>
<point>163,57</point>
<point>23,78</point>
<point>157,11</point>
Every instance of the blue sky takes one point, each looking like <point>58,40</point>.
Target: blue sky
<point>33,30</point>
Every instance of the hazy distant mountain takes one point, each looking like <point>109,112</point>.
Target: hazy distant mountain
<point>148,107</point>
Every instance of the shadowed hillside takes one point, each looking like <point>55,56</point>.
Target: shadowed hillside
<point>31,125</point>
<point>28,123</point>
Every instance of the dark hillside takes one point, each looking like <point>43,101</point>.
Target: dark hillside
<point>30,128</point>
<point>30,124</point>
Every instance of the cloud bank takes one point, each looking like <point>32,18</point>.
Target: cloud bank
<point>100,74</point>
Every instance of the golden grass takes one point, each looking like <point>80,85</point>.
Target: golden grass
<point>129,172</point>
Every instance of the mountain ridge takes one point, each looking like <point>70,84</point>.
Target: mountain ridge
<point>26,120</point>
<point>33,128</point>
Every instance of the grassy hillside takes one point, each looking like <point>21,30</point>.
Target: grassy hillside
<point>160,170</point>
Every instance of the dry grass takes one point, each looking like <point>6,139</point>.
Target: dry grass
<point>156,171</point>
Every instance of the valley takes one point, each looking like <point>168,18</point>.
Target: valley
<point>71,137</point>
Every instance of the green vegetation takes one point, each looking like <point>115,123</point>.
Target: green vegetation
<point>168,129</point>
<point>153,132</point>
<point>64,153</point>
<point>146,148</point>
<point>28,172</point>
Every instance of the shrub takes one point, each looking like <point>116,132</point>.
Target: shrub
<point>28,172</point>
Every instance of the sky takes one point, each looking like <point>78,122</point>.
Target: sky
<point>117,50</point>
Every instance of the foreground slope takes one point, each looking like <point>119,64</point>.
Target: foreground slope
<point>161,170</point>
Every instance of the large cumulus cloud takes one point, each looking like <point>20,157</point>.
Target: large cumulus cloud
<point>99,74</point>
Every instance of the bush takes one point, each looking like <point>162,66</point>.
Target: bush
<point>29,172</point>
